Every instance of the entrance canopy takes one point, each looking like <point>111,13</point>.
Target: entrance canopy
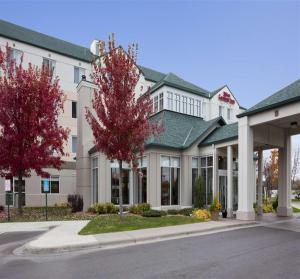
<point>269,124</point>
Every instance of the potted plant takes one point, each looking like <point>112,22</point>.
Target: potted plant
<point>214,209</point>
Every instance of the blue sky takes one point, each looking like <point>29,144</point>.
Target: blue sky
<point>253,46</point>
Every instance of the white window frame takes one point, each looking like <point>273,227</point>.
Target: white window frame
<point>155,104</point>
<point>51,64</point>
<point>161,101</point>
<point>81,72</point>
<point>170,100</point>
<point>184,104</point>
<point>177,102</point>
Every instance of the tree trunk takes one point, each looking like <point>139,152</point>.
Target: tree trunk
<point>20,210</point>
<point>120,190</point>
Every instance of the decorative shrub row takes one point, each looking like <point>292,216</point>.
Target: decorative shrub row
<point>103,208</point>
<point>139,208</point>
<point>154,213</point>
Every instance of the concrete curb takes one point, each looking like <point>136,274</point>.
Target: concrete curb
<point>126,239</point>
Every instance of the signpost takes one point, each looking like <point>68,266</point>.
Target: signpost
<point>46,191</point>
<point>8,196</point>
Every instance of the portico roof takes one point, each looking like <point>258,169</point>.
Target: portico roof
<point>222,134</point>
<point>288,94</point>
<point>180,131</point>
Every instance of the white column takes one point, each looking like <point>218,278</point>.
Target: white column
<point>246,172</point>
<point>284,178</point>
<point>229,181</point>
<point>259,183</point>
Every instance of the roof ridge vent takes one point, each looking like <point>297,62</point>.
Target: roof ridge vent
<point>187,136</point>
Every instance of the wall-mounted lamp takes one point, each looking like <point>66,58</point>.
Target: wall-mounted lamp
<point>294,124</point>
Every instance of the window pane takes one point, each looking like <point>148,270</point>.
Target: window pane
<point>95,185</point>
<point>74,109</point>
<point>210,161</point>
<point>54,185</point>
<point>175,162</point>
<point>175,186</point>
<point>203,162</point>
<point>76,74</point>
<point>165,161</point>
<point>195,162</point>
<point>194,177</point>
<point>165,186</point>
<point>115,185</point>
<point>125,186</point>
<point>209,185</point>
<point>74,144</point>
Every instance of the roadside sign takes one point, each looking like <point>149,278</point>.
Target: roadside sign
<point>7,185</point>
<point>46,185</point>
<point>9,199</point>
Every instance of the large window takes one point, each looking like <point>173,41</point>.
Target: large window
<point>221,111</point>
<point>53,184</point>
<point>170,100</point>
<point>191,106</point>
<point>95,179</point>
<point>74,109</point>
<point>74,144</point>
<point>78,73</point>
<point>204,110</point>
<point>161,101</point>
<point>184,103</point>
<point>50,64</point>
<point>141,193</point>
<point>206,171</point>
<point>115,176</point>
<point>170,180</point>
<point>195,174</point>
<point>177,102</point>
<point>16,56</point>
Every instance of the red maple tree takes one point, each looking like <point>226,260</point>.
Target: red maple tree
<point>119,120</point>
<point>30,137</point>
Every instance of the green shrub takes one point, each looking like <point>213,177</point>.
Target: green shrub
<point>267,208</point>
<point>186,211</point>
<point>173,212</point>
<point>111,208</point>
<point>105,208</point>
<point>275,203</point>
<point>139,208</point>
<point>199,193</point>
<point>154,213</point>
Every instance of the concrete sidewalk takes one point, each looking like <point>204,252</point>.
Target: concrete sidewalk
<point>29,226</point>
<point>65,238</point>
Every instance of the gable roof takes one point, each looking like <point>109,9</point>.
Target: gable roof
<point>173,80</point>
<point>288,94</point>
<point>28,36</point>
<point>180,131</point>
<point>151,74</point>
<point>222,134</point>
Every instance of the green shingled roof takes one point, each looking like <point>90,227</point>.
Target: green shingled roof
<point>221,134</point>
<point>152,75</point>
<point>24,35</point>
<point>180,131</point>
<point>287,95</point>
<point>174,81</point>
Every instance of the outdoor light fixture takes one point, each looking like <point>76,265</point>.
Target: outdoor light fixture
<point>294,124</point>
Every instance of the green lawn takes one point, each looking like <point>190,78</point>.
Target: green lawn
<point>296,210</point>
<point>112,223</point>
